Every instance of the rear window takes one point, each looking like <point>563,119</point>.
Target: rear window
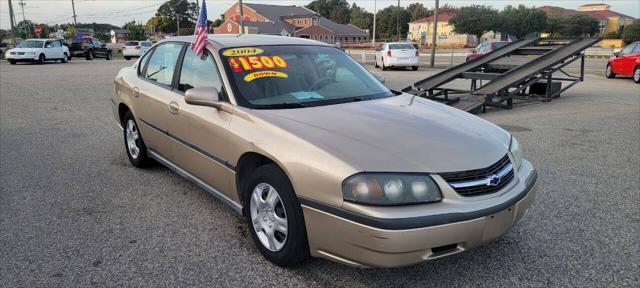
<point>401,46</point>
<point>131,43</point>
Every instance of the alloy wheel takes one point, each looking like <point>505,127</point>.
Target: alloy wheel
<point>636,75</point>
<point>132,139</point>
<point>268,217</point>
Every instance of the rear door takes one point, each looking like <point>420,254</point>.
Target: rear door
<point>202,131</point>
<point>152,94</point>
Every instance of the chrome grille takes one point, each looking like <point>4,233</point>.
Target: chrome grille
<point>481,181</point>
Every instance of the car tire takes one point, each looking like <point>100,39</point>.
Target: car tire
<point>376,63</point>
<point>65,58</point>
<point>609,72</point>
<point>136,149</point>
<point>41,59</point>
<point>264,216</point>
<point>12,62</point>
<point>636,74</point>
<point>414,68</point>
<point>127,58</point>
<point>90,55</point>
<point>109,56</point>
<point>384,68</point>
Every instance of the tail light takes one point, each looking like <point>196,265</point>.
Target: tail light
<point>417,53</point>
<point>388,53</point>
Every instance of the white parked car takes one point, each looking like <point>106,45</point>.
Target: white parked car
<point>38,50</point>
<point>135,48</point>
<point>397,54</point>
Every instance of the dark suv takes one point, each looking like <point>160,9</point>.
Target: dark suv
<point>90,48</point>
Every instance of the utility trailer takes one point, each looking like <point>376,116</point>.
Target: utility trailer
<point>523,71</point>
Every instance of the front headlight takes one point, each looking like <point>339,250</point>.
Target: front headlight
<point>390,189</point>
<point>514,148</point>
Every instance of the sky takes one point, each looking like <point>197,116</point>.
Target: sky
<point>117,12</point>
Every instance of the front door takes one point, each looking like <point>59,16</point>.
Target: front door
<point>99,48</point>
<point>201,131</point>
<point>152,92</point>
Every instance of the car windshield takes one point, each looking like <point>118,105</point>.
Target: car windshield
<point>31,44</point>
<point>131,43</point>
<point>272,77</point>
<point>400,46</point>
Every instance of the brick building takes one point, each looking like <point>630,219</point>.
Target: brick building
<point>292,21</point>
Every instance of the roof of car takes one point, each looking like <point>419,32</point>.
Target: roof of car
<point>240,40</point>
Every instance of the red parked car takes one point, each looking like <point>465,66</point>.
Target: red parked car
<point>486,48</point>
<point>625,62</point>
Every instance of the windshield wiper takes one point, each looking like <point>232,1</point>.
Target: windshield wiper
<point>281,105</point>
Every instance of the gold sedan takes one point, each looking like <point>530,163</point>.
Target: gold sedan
<point>317,154</point>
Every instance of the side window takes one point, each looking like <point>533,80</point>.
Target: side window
<point>97,42</point>
<point>637,50</point>
<point>146,44</point>
<point>198,72</point>
<point>143,62</point>
<point>56,44</point>
<point>628,49</point>
<point>162,63</point>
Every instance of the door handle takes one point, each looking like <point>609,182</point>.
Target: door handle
<point>136,91</point>
<point>173,107</point>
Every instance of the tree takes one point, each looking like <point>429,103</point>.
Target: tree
<point>580,24</point>
<point>361,18</point>
<point>631,32</point>
<point>522,21</point>
<point>71,32</point>
<point>417,11</point>
<point>173,10</point>
<point>386,22</point>
<point>336,10</point>
<point>136,31</point>
<point>475,20</point>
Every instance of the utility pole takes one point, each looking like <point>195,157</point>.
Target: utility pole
<point>12,17</point>
<point>73,6</point>
<point>435,35</point>
<point>241,17</point>
<point>375,11</point>
<point>24,20</point>
<point>398,20</point>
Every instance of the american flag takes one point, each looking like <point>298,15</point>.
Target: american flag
<point>201,31</point>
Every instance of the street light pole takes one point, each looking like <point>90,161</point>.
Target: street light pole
<point>398,20</point>
<point>178,24</point>
<point>435,35</point>
<point>375,11</point>
<point>73,6</point>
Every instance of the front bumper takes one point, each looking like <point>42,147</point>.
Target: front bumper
<point>22,58</point>
<point>375,242</point>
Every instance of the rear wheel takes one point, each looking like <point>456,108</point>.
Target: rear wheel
<point>383,66</point>
<point>12,62</point>
<point>609,72</point>
<point>376,63</point>
<point>127,58</point>
<point>414,68</point>
<point>636,75</point>
<point>275,218</point>
<point>109,56</point>
<point>136,149</point>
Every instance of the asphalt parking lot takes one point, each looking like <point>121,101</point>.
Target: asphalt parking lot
<point>74,212</point>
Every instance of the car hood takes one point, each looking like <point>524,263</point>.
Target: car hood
<point>24,50</point>
<point>396,134</point>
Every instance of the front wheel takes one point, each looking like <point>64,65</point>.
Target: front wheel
<point>275,218</point>
<point>636,75</point>
<point>41,59</point>
<point>136,149</point>
<point>90,55</point>
<point>12,62</point>
<point>109,56</point>
<point>65,58</point>
<point>414,68</point>
<point>609,72</point>
<point>127,58</point>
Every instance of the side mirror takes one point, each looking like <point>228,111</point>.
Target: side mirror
<point>616,54</point>
<point>380,78</point>
<point>203,96</point>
